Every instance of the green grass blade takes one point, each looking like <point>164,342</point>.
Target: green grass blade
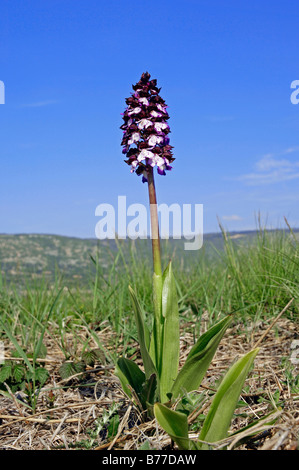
<point>41,338</point>
<point>20,351</point>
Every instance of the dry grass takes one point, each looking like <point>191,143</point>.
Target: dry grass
<point>66,411</point>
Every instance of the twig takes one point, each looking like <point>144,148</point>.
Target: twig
<point>193,416</point>
<point>50,410</point>
<point>40,420</point>
<point>121,426</point>
<point>63,420</point>
<point>273,323</point>
<point>14,399</point>
<point>31,359</point>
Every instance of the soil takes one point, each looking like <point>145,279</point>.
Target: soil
<point>90,410</point>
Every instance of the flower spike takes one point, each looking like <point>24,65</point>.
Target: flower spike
<point>145,139</point>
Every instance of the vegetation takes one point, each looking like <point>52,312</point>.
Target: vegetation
<point>75,301</point>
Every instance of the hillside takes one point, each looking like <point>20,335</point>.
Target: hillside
<point>30,257</point>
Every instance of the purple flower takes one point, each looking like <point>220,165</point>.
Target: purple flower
<point>134,138</point>
<point>145,128</point>
<point>155,139</point>
<point>144,123</point>
<point>136,110</point>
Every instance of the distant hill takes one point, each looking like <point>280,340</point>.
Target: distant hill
<point>33,256</point>
<point>30,257</point>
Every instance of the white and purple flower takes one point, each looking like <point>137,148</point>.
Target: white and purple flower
<point>136,110</point>
<point>161,126</point>
<point>144,123</point>
<point>153,140</point>
<point>134,138</point>
<point>145,129</point>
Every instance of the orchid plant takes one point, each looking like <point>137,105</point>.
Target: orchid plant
<point>160,384</point>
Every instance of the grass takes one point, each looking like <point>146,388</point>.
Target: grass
<point>252,278</point>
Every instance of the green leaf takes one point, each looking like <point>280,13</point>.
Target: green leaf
<point>171,334</point>
<point>113,426</point>
<point>199,358</point>
<point>70,368</point>
<point>145,446</point>
<point>156,338</point>
<point>130,374</point>
<point>40,347</point>
<point>79,367</point>
<point>19,372</point>
<point>176,426</point>
<point>149,394</point>
<point>41,375</point>
<point>66,370</point>
<point>143,337</point>
<point>14,353</point>
<point>149,390</point>
<point>5,372</point>
<point>20,386</point>
<point>18,348</point>
<point>42,351</point>
<point>123,380</point>
<point>89,357</point>
<point>146,389</point>
<point>218,419</point>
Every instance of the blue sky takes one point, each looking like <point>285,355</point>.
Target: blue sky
<point>225,69</point>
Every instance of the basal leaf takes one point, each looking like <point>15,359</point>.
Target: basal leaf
<point>129,373</point>
<point>156,338</point>
<point>143,337</point>
<point>219,417</point>
<point>149,390</point>
<point>176,426</point>
<point>190,376</point>
<point>171,334</point>
<point>150,394</point>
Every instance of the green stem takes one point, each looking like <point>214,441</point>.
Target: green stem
<point>156,343</point>
<point>154,223</point>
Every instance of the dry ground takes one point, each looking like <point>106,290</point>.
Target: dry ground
<point>65,415</point>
